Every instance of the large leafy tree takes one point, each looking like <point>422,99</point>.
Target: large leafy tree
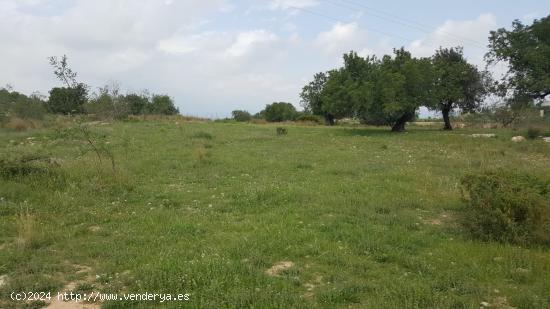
<point>457,83</point>
<point>401,85</point>
<point>68,100</point>
<point>526,49</point>
<point>338,93</point>
<point>311,95</point>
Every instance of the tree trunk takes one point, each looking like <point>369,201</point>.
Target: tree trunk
<point>399,125</point>
<point>330,119</point>
<point>446,111</point>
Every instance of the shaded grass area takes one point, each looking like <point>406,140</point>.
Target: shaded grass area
<point>368,218</point>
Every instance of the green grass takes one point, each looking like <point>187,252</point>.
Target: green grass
<point>369,218</point>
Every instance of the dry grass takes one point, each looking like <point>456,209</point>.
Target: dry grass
<point>259,121</point>
<point>201,154</point>
<point>27,235</point>
<point>168,117</point>
<point>19,124</point>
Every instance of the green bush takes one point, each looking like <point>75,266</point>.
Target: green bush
<point>108,106</point>
<point>533,132</point>
<point>203,135</point>
<point>31,109</point>
<point>282,131</point>
<point>26,165</point>
<point>507,206</point>
<point>241,116</point>
<point>279,111</point>
<point>163,105</point>
<point>310,118</point>
<point>19,105</point>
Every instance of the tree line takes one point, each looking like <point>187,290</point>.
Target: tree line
<point>390,90</point>
<point>75,97</point>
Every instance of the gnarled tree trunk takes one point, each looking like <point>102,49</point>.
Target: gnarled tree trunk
<point>329,119</point>
<point>399,125</point>
<point>446,110</point>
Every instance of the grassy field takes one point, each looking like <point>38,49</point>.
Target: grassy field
<point>237,216</point>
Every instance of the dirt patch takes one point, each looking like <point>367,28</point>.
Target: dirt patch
<point>3,280</point>
<point>499,302</point>
<point>442,219</point>
<point>57,303</point>
<point>82,269</point>
<point>311,286</point>
<point>94,228</point>
<point>484,135</point>
<point>278,268</point>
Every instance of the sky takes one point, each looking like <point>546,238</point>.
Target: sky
<point>215,56</point>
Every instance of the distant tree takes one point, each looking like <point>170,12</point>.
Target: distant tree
<point>458,84</point>
<point>137,103</point>
<point>240,115</point>
<point>279,111</point>
<point>109,103</point>
<point>13,103</point>
<point>526,50</point>
<point>312,96</point>
<point>163,105</point>
<point>67,100</point>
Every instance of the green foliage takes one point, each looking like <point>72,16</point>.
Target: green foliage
<point>533,132</point>
<point>106,105</point>
<point>309,118</point>
<point>16,104</point>
<point>110,103</point>
<point>458,84</point>
<point>279,111</point>
<point>312,94</point>
<point>507,116</point>
<point>402,85</point>
<point>526,49</point>
<point>67,100</point>
<point>203,135</point>
<point>281,131</point>
<point>507,206</point>
<point>63,72</point>
<point>241,116</point>
<point>380,92</point>
<point>137,104</point>
<point>16,166</point>
<point>163,105</point>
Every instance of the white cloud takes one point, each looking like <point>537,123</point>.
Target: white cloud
<point>289,4</point>
<point>342,38</point>
<point>247,41</point>
<point>471,34</point>
<point>183,44</point>
<point>102,38</point>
